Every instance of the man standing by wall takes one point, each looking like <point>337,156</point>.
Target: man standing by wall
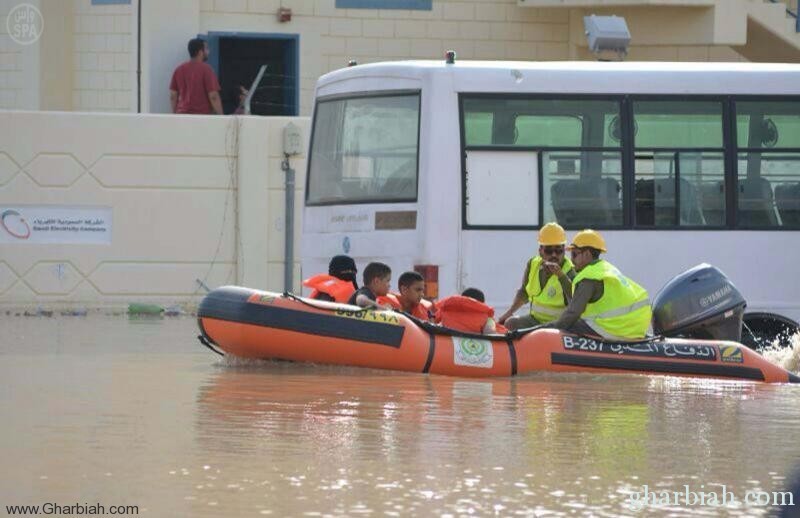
<point>194,87</point>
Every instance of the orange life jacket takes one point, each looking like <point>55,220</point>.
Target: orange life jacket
<point>463,313</point>
<point>421,310</point>
<point>337,288</point>
<point>390,299</point>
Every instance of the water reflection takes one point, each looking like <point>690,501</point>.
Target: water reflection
<point>540,442</point>
<point>136,412</point>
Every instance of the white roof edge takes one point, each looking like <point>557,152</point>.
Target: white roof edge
<point>432,68</point>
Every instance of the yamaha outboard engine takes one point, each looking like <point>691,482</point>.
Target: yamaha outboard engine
<point>699,303</point>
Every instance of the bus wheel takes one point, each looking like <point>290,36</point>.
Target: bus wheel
<point>760,330</point>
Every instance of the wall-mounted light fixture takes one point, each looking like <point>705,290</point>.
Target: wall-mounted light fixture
<point>608,36</point>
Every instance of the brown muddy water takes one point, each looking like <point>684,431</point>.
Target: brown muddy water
<point>105,411</point>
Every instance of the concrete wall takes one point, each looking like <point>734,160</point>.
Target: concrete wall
<point>86,59</point>
<point>19,65</point>
<point>104,57</point>
<point>329,37</point>
<point>166,29</point>
<point>192,198</point>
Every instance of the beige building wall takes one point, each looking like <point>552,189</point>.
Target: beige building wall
<point>477,30</point>
<point>19,65</point>
<point>104,57</point>
<point>86,59</point>
<point>330,37</point>
<point>192,198</point>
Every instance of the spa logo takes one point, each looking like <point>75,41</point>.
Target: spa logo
<point>13,223</point>
<point>25,24</point>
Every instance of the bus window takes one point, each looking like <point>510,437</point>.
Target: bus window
<point>502,175</point>
<point>478,126</point>
<point>550,131</point>
<point>572,140</point>
<point>679,163</point>
<point>578,198</point>
<point>768,132</point>
<point>364,149</point>
<point>539,123</point>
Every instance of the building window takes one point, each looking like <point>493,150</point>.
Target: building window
<point>420,5</point>
<point>111,2</point>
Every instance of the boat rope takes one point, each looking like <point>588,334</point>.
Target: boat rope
<point>301,300</point>
<point>207,343</point>
<point>437,329</point>
<point>430,327</point>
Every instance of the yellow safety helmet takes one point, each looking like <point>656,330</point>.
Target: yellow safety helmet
<point>588,238</point>
<point>552,234</point>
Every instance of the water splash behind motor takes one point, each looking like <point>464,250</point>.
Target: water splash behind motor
<point>787,357</point>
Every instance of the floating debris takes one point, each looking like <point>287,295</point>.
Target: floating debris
<point>135,308</point>
<point>174,311</point>
<point>80,312</point>
<point>39,312</point>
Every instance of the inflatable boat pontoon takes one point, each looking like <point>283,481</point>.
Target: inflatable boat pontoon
<point>259,324</point>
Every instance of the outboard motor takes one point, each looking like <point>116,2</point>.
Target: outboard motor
<point>699,303</point>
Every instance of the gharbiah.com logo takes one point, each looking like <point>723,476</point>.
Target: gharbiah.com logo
<point>25,24</point>
<point>13,223</point>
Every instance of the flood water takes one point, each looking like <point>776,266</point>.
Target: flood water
<point>111,411</point>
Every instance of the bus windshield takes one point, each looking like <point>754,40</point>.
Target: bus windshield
<point>365,150</point>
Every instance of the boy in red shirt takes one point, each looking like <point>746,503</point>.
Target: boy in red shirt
<point>194,87</point>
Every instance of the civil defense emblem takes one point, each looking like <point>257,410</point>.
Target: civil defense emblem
<point>473,352</point>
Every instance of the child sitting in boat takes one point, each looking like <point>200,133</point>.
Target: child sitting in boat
<point>466,312</point>
<point>377,278</point>
<point>339,284</point>
<point>412,288</point>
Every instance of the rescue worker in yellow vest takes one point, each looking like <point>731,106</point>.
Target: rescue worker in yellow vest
<point>546,283</point>
<point>604,302</point>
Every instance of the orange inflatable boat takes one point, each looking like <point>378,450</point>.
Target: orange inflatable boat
<point>259,324</point>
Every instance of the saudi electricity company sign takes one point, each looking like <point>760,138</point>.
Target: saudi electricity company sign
<point>55,224</point>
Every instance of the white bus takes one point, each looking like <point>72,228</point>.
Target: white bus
<point>455,167</point>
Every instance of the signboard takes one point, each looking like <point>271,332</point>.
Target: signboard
<point>654,348</point>
<point>53,224</point>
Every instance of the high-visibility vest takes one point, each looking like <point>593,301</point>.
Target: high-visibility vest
<point>547,303</point>
<point>463,313</point>
<point>623,312</point>
<point>339,289</point>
